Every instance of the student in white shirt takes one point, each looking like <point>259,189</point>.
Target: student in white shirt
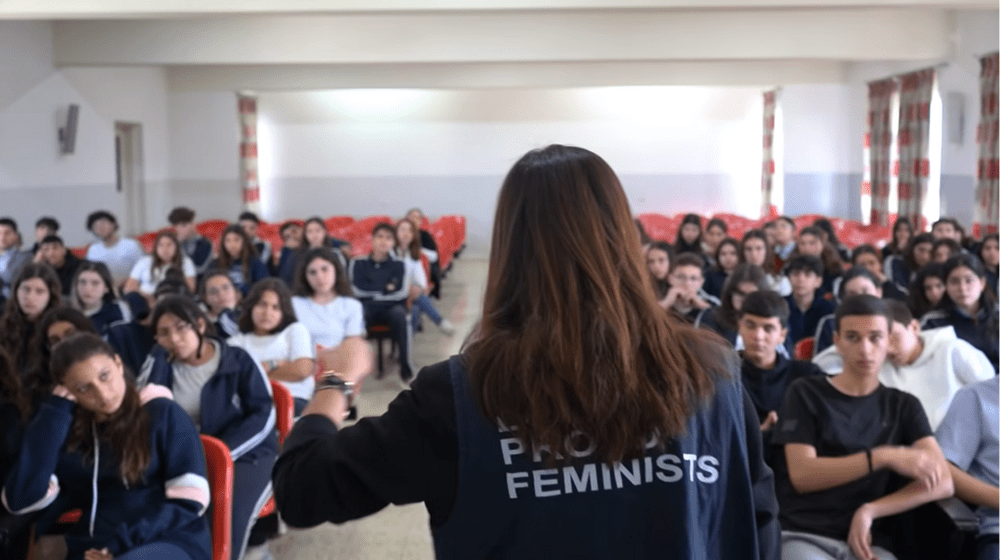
<point>408,250</point>
<point>270,333</point>
<point>118,253</point>
<point>151,269</point>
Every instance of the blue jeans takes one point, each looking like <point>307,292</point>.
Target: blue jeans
<point>423,305</point>
<point>155,551</point>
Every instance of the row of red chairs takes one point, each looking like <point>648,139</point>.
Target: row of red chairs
<point>850,232</point>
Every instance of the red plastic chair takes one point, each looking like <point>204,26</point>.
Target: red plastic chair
<point>220,480</point>
<point>284,407</point>
<point>804,348</point>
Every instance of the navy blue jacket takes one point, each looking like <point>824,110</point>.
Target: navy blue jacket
<point>897,272</point>
<point>980,331</point>
<point>257,272</point>
<point>378,281</point>
<point>803,324</point>
<point>132,341</point>
<point>237,406</point>
<point>166,506</point>
<point>199,250</point>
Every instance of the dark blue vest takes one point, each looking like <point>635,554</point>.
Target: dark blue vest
<point>690,499</point>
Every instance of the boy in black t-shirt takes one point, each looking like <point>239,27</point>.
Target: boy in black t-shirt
<point>766,374</point>
<point>844,439</point>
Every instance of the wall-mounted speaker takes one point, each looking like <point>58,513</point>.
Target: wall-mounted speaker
<point>67,134</point>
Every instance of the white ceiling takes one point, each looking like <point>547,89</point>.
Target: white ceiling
<point>322,44</point>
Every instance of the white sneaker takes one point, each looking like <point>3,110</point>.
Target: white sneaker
<point>446,327</point>
<point>261,552</point>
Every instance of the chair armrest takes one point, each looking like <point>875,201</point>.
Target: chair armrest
<point>964,518</point>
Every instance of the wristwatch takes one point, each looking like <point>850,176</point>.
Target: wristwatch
<point>331,381</point>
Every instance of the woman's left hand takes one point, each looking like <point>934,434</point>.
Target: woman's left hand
<point>94,554</point>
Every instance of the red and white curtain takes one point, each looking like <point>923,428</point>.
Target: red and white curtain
<point>878,142</point>
<point>768,209</point>
<point>988,168</point>
<point>916,90</point>
<point>248,152</point>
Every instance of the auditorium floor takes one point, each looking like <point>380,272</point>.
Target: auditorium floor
<point>400,533</point>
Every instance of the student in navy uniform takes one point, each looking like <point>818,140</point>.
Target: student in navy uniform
<point>135,469</point>
<point>134,340</point>
<point>44,227</point>
<point>867,257</point>
<point>807,305</point>
<point>221,299</point>
<point>968,306</point>
<point>844,439</point>
<point>238,258</point>
<point>570,340</point>
<point>226,393</point>
<point>659,259</point>
<point>249,222</point>
<point>15,530</point>
<point>35,291</point>
<point>767,373</point>
<point>811,243</point>
<point>901,268</point>
<point>379,283</point>
<point>725,259</point>
<point>56,325</point>
<point>688,238</point>
<point>94,294</point>
<point>715,232</point>
<point>686,298</point>
<point>989,255</point>
<point>856,281</point>
<point>902,231</point>
<point>926,289</point>
<point>52,251</point>
<point>291,234</point>
<point>724,318</point>
<point>196,247</point>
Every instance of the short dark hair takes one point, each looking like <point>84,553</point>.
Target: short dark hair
<point>9,222</point>
<point>688,259</point>
<point>185,309</point>
<point>947,220</point>
<point>101,215</point>
<point>767,304</point>
<point>788,219</point>
<point>341,283</point>
<point>900,312</point>
<point>954,247</point>
<point>248,216</point>
<point>719,223</point>
<point>855,272</point>
<point>814,231</point>
<point>862,305</point>
<point>384,226</point>
<point>986,298</point>
<point>288,224</point>
<point>805,263</point>
<point>866,248</point>
<point>280,289</point>
<point>180,215</point>
<point>52,238</point>
<point>48,222</point>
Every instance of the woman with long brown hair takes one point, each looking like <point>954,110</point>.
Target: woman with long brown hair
<point>582,422</point>
<point>152,269</point>
<point>238,257</point>
<point>35,291</point>
<point>134,467</point>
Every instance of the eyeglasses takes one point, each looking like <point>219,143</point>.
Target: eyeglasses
<point>177,329</point>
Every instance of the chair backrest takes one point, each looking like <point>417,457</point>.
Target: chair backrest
<point>284,407</point>
<point>220,479</point>
<point>804,348</point>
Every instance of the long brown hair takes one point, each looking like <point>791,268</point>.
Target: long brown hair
<point>414,248</point>
<point>248,252</point>
<point>177,261</point>
<point>572,338</point>
<point>15,327</point>
<point>126,431</point>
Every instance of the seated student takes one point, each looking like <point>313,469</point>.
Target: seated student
<point>989,255</point>
<point>226,394</point>
<point>867,257</point>
<point>926,289</point>
<point>44,227</point>
<point>271,334</point>
<point>12,258</point>
<point>118,253</point>
<point>407,249</point>
<point>379,282</point>
<point>806,304</point>
<point>95,295</point>
<point>659,256</point>
<point>315,234</point>
<point>151,269</point>
<point>947,228</point>
<point>13,411</point>
<point>724,318</point>
<point>931,365</point>
<point>134,467</point>
<point>811,243</point>
<point>35,291</point>
<point>686,298</point>
<point>900,268</point>
<point>784,240</point>
<point>726,258</point>
<point>238,258</point>
<point>968,306</point>
<point>52,251</point>
<point>134,340</point>
<point>689,235</point>
<point>844,438</point>
<point>856,281</point>
<point>221,300</point>
<point>56,325</point>
<point>291,235</point>
<point>944,249</point>
<point>429,247</point>
<point>196,247</point>
<point>755,250</point>
<point>829,237</point>
<point>968,439</point>
<point>262,249</point>
<point>766,372</point>
<point>715,232</point>
<point>902,231</point>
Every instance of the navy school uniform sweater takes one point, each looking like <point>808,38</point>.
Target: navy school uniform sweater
<point>980,331</point>
<point>168,505</point>
<point>803,323</point>
<point>132,341</point>
<point>378,282</point>
<point>237,406</point>
<point>240,278</point>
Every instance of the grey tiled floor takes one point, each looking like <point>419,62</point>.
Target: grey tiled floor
<point>400,533</point>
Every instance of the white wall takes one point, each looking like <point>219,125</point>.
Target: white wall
<point>35,179</point>
<point>383,151</point>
